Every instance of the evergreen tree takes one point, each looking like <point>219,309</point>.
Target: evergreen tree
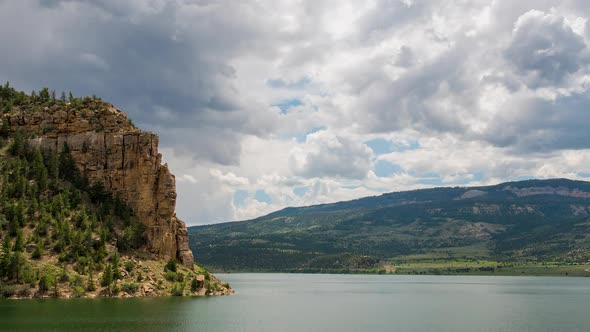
<point>107,277</point>
<point>5,257</point>
<point>19,243</point>
<point>4,130</point>
<point>91,287</point>
<point>67,166</point>
<point>115,267</point>
<point>44,95</point>
<point>15,267</point>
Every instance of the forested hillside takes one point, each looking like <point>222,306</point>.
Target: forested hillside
<point>525,221</point>
<point>64,235</point>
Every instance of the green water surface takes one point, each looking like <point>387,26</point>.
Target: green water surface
<point>300,302</point>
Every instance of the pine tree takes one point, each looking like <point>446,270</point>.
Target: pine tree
<point>5,258</point>
<point>67,166</point>
<point>44,95</point>
<point>19,244</point>
<point>115,267</point>
<point>17,261</point>
<point>91,287</point>
<point>107,277</point>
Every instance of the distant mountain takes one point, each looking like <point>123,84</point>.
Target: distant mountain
<point>539,220</point>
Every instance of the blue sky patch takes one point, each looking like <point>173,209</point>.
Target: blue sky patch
<point>380,145</point>
<point>240,197</point>
<point>384,168</point>
<point>302,136</point>
<point>383,146</point>
<point>300,191</point>
<point>431,179</point>
<point>282,84</point>
<point>285,105</point>
<point>262,196</point>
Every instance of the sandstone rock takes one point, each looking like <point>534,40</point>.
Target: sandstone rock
<point>200,281</point>
<point>108,148</point>
<point>147,290</point>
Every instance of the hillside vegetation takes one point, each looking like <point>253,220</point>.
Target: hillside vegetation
<point>62,236</point>
<point>479,229</point>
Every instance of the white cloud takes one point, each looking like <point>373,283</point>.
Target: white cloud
<point>229,179</point>
<point>187,178</point>
<point>328,155</point>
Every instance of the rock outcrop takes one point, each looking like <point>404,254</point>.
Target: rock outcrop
<point>108,147</point>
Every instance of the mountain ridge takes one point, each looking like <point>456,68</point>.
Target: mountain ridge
<point>510,221</point>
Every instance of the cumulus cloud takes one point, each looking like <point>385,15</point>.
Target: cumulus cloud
<point>325,155</point>
<point>544,49</point>
<point>228,178</point>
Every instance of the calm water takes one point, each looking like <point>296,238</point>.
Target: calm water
<point>290,302</point>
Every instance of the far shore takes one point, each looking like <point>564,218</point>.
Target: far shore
<point>473,268</point>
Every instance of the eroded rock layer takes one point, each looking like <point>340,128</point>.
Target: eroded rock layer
<point>107,147</point>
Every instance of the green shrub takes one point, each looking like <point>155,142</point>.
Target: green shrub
<point>45,283</point>
<point>91,286</point>
<point>129,266</point>
<point>194,285</point>
<point>130,287</point>
<point>171,265</point>
<point>79,291</point>
<point>170,276</point>
<point>37,253</point>
<point>178,289</point>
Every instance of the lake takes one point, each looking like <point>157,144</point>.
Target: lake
<point>303,302</point>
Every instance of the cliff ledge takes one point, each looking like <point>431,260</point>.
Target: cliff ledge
<point>107,147</point>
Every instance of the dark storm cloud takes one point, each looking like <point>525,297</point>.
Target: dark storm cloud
<point>541,125</point>
<point>167,65</point>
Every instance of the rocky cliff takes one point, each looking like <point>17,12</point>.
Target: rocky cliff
<point>107,147</point>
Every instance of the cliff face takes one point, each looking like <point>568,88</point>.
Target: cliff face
<point>107,147</point>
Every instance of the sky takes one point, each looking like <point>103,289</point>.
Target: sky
<point>263,104</point>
